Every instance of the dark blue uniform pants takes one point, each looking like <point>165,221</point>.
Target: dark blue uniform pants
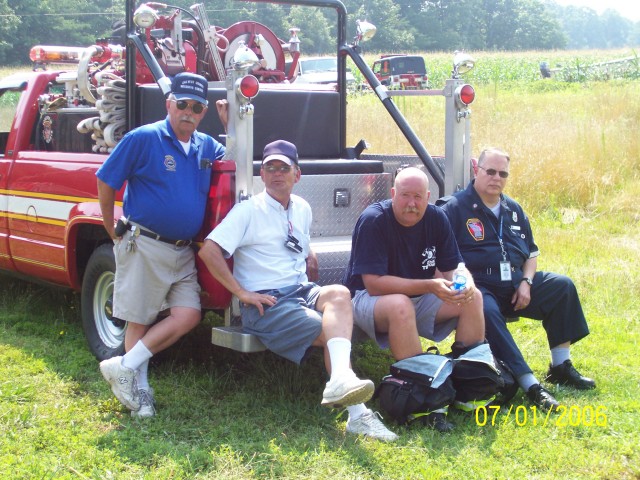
<point>554,300</point>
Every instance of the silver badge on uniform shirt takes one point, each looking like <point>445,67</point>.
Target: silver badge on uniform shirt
<point>515,216</point>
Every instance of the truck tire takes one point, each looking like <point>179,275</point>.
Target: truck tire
<point>104,334</point>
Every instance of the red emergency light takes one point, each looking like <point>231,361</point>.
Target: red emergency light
<point>465,95</point>
<point>248,86</point>
<point>55,54</point>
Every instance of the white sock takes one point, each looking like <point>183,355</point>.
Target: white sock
<point>559,355</point>
<point>340,355</point>
<point>142,379</point>
<point>136,356</point>
<point>356,411</point>
<point>527,380</point>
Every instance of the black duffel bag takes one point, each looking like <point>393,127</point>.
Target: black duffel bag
<point>416,387</point>
<point>476,377</point>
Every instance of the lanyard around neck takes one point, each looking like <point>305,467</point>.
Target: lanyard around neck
<point>499,235</point>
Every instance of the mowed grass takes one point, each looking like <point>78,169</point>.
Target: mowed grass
<point>222,414</point>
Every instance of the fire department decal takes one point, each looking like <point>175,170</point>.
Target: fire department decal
<point>476,229</point>
<point>47,131</point>
<point>429,255</point>
<point>170,163</point>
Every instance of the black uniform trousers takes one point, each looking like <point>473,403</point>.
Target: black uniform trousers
<point>554,301</point>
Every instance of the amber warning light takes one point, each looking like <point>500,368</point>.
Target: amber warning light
<point>54,54</point>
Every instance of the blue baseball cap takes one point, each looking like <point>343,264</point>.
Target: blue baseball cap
<point>280,150</point>
<point>190,86</point>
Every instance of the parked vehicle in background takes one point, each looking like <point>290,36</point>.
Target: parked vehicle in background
<point>321,70</point>
<point>401,72</point>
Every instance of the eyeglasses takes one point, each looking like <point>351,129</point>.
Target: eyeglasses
<point>492,171</point>
<point>196,107</point>
<point>274,169</point>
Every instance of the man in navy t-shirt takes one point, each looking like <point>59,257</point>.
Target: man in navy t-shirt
<point>400,273</point>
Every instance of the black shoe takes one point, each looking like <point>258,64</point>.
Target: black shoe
<point>437,421</point>
<point>566,374</point>
<point>541,397</point>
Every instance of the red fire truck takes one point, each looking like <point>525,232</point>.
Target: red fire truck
<point>66,120</point>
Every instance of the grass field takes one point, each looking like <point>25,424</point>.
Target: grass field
<point>222,415</point>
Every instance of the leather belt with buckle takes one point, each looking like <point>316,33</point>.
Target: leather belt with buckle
<point>177,243</point>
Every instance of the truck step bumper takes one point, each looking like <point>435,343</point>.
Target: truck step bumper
<point>236,338</point>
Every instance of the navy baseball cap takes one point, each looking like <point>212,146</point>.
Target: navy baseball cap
<point>189,86</point>
<point>280,150</point>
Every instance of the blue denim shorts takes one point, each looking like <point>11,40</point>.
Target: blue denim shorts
<point>289,327</point>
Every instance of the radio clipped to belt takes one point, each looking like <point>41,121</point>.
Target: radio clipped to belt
<point>121,228</point>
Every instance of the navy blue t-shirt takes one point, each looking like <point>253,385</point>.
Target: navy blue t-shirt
<point>381,246</point>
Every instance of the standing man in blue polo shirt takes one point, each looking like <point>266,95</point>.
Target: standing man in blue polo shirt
<point>495,238</point>
<point>167,167</point>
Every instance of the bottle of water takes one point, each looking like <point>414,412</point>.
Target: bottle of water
<point>459,277</point>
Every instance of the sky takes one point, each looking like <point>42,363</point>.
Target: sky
<point>626,8</point>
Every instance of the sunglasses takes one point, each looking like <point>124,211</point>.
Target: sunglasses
<point>281,169</point>
<point>492,171</point>
<point>196,108</point>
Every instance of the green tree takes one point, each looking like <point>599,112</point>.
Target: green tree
<point>63,22</point>
<point>394,33</point>
<point>617,29</point>
<point>9,24</point>
<point>317,34</point>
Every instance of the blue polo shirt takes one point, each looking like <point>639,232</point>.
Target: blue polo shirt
<point>477,231</point>
<point>166,189</point>
<point>381,246</point>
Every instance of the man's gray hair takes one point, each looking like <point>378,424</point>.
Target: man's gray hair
<point>492,151</point>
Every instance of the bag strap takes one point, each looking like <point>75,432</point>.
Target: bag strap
<point>398,408</point>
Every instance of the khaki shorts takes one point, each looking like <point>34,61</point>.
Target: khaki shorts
<point>426,307</point>
<point>153,277</point>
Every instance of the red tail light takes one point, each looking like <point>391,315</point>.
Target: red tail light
<point>465,94</point>
<point>248,87</point>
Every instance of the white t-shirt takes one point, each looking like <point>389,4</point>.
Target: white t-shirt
<point>255,232</point>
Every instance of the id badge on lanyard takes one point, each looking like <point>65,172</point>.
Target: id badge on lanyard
<point>505,270</point>
<point>505,265</point>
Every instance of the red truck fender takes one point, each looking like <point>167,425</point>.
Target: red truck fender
<point>81,216</point>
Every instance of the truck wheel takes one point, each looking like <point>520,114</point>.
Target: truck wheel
<point>104,333</point>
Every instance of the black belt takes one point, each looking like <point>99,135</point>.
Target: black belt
<point>147,233</point>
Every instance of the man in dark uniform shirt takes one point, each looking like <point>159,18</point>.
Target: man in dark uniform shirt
<point>496,241</point>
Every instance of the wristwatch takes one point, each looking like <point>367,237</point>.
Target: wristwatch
<point>528,280</point>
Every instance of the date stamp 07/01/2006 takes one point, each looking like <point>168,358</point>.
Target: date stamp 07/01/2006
<point>563,416</point>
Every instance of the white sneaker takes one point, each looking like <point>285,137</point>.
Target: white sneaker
<point>370,424</point>
<point>122,381</point>
<point>345,390</point>
<point>147,404</point>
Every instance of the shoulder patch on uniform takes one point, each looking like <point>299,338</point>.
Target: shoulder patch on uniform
<point>475,228</point>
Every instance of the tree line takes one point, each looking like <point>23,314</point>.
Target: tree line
<point>402,25</point>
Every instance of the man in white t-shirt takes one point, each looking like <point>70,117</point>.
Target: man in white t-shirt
<point>268,236</point>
